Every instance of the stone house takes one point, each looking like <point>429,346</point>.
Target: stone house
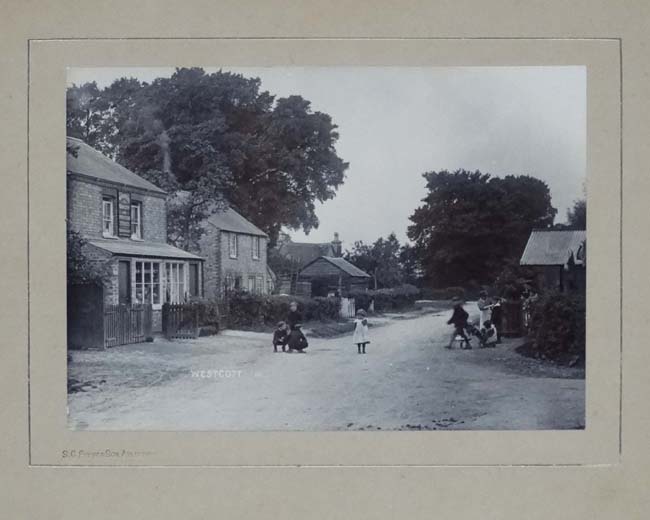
<point>235,252</point>
<point>123,219</point>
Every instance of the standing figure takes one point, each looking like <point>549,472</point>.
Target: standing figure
<point>497,317</point>
<point>459,321</point>
<point>360,337</point>
<point>484,308</point>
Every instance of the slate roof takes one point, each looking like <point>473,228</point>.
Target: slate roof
<point>305,252</point>
<point>230,220</point>
<point>92,163</point>
<point>552,247</point>
<point>144,249</point>
<point>343,265</point>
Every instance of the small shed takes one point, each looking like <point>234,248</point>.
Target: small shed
<point>558,257</point>
<point>334,275</point>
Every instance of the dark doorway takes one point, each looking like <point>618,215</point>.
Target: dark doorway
<point>194,280</point>
<point>124,282</point>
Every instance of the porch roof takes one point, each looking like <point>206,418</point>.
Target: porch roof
<point>143,249</point>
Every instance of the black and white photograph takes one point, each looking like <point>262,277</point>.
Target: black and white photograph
<point>331,248</point>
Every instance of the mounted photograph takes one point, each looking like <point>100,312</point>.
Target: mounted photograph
<point>326,248</point>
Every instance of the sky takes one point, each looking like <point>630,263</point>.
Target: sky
<point>396,123</point>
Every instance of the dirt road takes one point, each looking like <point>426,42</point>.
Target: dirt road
<point>407,380</point>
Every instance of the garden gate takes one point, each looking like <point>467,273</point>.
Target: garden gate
<point>180,320</point>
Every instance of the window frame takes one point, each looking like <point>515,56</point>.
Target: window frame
<point>233,245</point>
<point>176,282</point>
<point>156,303</point>
<point>256,246</point>
<point>110,202</point>
<point>136,205</point>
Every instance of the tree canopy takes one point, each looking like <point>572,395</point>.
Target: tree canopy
<point>383,260</point>
<point>471,223</point>
<point>214,139</point>
<point>577,215</point>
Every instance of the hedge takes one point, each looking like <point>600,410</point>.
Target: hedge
<point>444,294</point>
<point>247,309</point>
<point>387,299</point>
<point>558,327</point>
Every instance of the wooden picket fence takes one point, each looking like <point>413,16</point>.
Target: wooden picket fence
<point>180,320</point>
<point>348,308</point>
<point>124,324</point>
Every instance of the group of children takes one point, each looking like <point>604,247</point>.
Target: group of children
<point>488,331</point>
<point>289,337</point>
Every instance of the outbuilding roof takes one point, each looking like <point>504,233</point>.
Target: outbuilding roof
<point>230,220</point>
<point>552,246</point>
<point>305,252</point>
<point>92,163</point>
<point>343,265</point>
<point>144,249</point>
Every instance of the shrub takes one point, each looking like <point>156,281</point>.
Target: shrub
<point>444,294</point>
<point>558,327</point>
<point>387,299</point>
<point>250,309</point>
<point>208,313</point>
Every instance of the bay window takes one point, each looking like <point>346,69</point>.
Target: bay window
<point>147,282</point>
<point>175,275</point>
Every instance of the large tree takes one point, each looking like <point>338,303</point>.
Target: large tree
<point>577,215</point>
<point>381,260</point>
<point>471,223</point>
<point>215,138</point>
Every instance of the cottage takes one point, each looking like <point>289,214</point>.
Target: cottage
<point>236,255</point>
<point>122,218</point>
<point>333,275</point>
<point>558,258</point>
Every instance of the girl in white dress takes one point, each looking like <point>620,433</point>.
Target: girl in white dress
<point>360,337</point>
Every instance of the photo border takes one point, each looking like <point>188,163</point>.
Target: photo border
<point>353,434</point>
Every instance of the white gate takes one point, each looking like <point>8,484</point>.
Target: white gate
<point>347,308</point>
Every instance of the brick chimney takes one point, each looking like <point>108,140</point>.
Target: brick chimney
<point>337,245</point>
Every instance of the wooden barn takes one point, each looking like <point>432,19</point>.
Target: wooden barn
<point>333,276</point>
<point>558,258</point>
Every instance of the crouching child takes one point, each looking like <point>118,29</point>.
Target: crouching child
<point>489,335</point>
<point>280,337</point>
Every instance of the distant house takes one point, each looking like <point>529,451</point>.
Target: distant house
<point>302,253</point>
<point>122,218</point>
<point>558,258</point>
<point>333,276</point>
<point>235,251</point>
<point>295,256</point>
